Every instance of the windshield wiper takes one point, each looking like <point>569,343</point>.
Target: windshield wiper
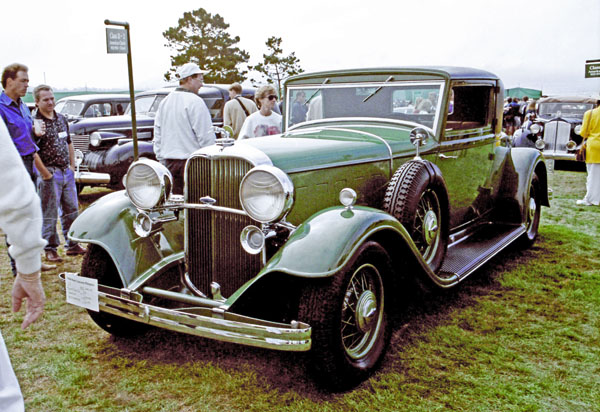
<point>377,89</point>
<point>317,91</point>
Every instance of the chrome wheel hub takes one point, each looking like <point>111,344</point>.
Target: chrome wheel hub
<point>430,227</point>
<point>366,311</point>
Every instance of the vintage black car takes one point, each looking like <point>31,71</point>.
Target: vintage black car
<point>555,128</point>
<point>308,240</point>
<point>107,142</point>
<point>78,107</point>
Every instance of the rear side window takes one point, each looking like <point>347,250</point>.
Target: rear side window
<point>469,107</point>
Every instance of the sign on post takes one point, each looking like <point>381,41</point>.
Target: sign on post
<point>592,68</point>
<point>116,41</point>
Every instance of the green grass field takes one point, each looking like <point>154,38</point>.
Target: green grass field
<point>521,334</point>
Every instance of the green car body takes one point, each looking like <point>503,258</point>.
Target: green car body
<point>428,195</point>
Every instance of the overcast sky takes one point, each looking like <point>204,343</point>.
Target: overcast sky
<point>541,44</point>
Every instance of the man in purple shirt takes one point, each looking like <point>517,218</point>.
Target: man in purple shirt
<point>17,117</point>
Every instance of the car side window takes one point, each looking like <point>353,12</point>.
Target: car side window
<point>469,107</point>
<point>98,110</point>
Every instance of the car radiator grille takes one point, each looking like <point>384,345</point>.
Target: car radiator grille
<point>556,135</point>
<point>214,252</point>
<point>81,142</point>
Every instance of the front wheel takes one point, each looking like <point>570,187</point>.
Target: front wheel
<point>97,264</point>
<point>348,318</point>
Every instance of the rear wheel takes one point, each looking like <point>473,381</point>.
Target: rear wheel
<point>533,213</point>
<point>348,318</point>
<point>97,264</point>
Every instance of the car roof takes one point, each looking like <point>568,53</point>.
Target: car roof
<point>98,96</point>
<point>448,72</point>
<point>569,99</point>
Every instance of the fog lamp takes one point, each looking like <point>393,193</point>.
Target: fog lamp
<point>142,224</point>
<point>571,145</point>
<point>252,239</point>
<point>539,144</point>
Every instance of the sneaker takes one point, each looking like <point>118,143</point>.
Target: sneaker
<point>46,267</point>
<point>52,256</point>
<point>584,202</point>
<point>76,250</point>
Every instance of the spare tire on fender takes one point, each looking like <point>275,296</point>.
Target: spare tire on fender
<point>417,197</point>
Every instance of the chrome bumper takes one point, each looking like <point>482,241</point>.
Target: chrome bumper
<point>92,178</point>
<point>212,323</point>
<point>558,155</point>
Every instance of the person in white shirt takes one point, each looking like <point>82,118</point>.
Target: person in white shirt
<point>21,220</point>
<point>237,109</point>
<point>265,122</point>
<point>182,124</point>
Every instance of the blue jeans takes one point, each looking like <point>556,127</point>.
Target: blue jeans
<point>60,191</point>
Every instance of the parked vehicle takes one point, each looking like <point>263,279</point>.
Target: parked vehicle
<point>107,142</point>
<point>555,128</point>
<point>83,106</point>
<point>306,241</point>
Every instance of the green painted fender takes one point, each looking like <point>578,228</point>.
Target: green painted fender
<point>323,244</point>
<point>108,222</point>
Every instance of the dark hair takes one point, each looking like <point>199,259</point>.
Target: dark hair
<point>10,72</point>
<point>38,89</point>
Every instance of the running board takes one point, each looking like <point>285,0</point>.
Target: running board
<point>468,255</point>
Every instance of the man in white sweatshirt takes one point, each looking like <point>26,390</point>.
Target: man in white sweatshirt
<point>182,124</point>
<point>21,220</point>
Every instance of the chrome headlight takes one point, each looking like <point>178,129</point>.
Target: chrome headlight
<point>535,128</point>
<point>577,129</point>
<point>571,145</point>
<point>266,194</point>
<point>539,144</point>
<point>95,139</point>
<point>148,184</point>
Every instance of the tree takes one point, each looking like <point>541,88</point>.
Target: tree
<point>202,38</point>
<point>276,67</point>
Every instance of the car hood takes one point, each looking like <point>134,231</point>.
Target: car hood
<point>90,125</point>
<point>332,146</point>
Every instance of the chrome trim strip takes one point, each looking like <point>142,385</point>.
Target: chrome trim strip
<point>212,323</point>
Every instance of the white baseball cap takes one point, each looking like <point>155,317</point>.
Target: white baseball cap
<point>188,69</point>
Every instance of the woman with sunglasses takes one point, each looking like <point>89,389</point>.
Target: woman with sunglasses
<point>265,121</point>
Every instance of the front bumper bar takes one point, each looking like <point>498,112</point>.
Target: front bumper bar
<point>212,323</point>
<point>89,178</point>
<point>559,155</point>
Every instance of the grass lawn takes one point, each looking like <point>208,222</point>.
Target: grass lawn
<point>521,334</point>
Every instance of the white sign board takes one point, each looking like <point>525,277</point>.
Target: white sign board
<point>82,291</point>
<point>116,41</point>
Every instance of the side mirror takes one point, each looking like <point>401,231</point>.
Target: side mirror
<point>419,137</point>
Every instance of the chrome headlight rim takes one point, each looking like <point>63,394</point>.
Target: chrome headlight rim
<point>286,189</point>
<point>535,128</point>
<point>95,139</point>
<point>577,130</point>
<point>159,173</point>
<point>540,144</point>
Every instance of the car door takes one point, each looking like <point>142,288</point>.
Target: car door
<point>466,151</point>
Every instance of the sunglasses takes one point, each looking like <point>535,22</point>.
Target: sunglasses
<point>272,97</point>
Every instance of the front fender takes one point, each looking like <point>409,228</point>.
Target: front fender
<point>108,223</point>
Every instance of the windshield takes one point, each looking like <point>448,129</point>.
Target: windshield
<point>69,107</point>
<point>550,110</point>
<point>146,104</point>
<point>409,101</point>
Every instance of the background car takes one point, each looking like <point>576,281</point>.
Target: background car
<point>107,142</point>
<point>308,240</point>
<point>83,106</point>
<point>554,130</point>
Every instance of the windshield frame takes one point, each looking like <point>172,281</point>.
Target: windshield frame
<point>311,89</point>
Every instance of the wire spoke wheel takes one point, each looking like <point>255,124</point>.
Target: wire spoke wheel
<point>426,228</point>
<point>362,313</point>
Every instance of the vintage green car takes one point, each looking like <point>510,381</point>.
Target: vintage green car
<point>393,178</point>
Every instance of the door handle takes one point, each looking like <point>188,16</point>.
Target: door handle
<point>443,156</point>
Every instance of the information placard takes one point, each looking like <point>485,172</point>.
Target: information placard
<point>592,68</point>
<point>116,41</point>
<point>82,291</point>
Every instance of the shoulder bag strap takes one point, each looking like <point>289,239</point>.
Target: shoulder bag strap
<point>243,107</point>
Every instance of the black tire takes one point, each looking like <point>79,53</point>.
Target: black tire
<point>348,315</point>
<point>533,213</point>
<point>417,201</point>
<point>79,187</point>
<point>97,264</point>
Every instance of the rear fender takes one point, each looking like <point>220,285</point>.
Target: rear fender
<point>525,161</point>
<point>108,223</point>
